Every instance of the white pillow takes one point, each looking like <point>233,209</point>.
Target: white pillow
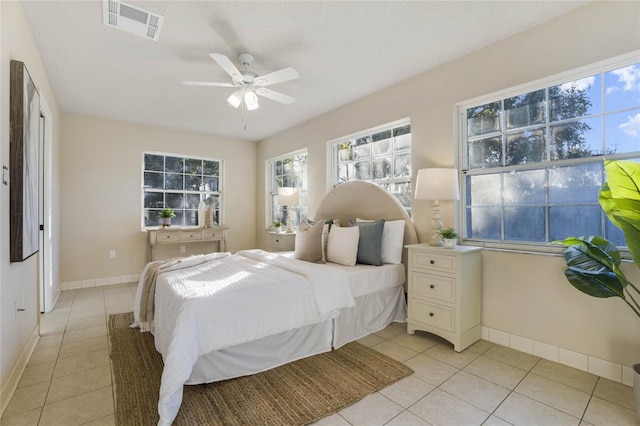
<point>342,245</point>
<point>392,240</point>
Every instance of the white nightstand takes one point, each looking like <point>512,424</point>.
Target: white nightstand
<point>445,293</point>
<point>281,241</point>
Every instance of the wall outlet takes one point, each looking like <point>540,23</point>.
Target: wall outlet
<point>112,254</point>
<point>182,249</point>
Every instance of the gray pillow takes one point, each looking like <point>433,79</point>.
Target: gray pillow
<point>370,242</point>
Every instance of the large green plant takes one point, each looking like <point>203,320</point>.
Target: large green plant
<point>593,262</point>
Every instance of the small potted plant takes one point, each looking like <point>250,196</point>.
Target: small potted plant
<point>450,237</point>
<point>277,226</point>
<point>165,215</point>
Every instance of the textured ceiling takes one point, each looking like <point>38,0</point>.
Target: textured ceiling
<point>342,50</point>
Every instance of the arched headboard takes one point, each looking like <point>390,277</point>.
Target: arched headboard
<point>365,200</point>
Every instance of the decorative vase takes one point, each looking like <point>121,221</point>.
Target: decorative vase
<point>636,388</point>
<point>449,243</point>
<point>202,213</point>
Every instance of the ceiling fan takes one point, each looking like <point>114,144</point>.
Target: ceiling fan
<point>250,85</point>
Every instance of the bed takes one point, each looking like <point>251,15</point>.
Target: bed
<point>296,309</point>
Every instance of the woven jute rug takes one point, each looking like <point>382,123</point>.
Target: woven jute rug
<point>294,394</point>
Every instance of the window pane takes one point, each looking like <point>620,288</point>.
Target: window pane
<point>192,183</point>
<point>614,234</point>
<point>402,165</point>
<point>344,152</point>
<point>362,151</point>
<point>174,181</point>
<point>402,142</point>
<point>524,224</point>
<point>381,135</point>
<point>575,184</point>
<point>363,170</point>
<point>399,131</point>
<point>192,201</point>
<point>381,147</point>
<point>576,139</point>
<point>575,99</point>
<point>382,168</point>
<point>179,219</point>
<point>526,147</point>
<point>484,119</point>
<point>344,172</point>
<point>567,221</point>
<point>174,164</point>
<point>483,223</point>
<point>525,110</point>
<point>527,187</point>
<point>151,217</point>
<point>485,153</point>
<point>193,166</point>
<point>623,132</point>
<point>211,184</point>
<point>622,88</point>
<point>211,168</point>
<point>154,162</point>
<point>153,180</point>
<point>153,200</point>
<point>191,218</point>
<point>175,200</point>
<point>484,190</point>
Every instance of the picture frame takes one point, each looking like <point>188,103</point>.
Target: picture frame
<point>24,135</point>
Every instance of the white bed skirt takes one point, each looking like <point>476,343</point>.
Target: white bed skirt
<point>372,313</point>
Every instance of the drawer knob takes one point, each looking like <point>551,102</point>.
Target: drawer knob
<point>433,262</point>
<point>430,314</point>
<point>432,286</point>
<point>167,236</point>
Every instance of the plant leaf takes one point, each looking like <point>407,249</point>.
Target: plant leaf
<point>590,273</point>
<point>620,200</point>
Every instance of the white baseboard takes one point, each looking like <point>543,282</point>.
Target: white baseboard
<point>590,364</point>
<point>12,381</point>
<point>99,282</point>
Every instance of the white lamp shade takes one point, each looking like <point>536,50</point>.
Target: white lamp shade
<point>437,184</point>
<point>288,196</point>
<point>251,99</point>
<point>235,99</point>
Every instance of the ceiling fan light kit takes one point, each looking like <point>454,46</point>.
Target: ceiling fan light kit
<point>250,85</point>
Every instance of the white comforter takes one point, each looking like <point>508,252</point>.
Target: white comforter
<point>232,300</point>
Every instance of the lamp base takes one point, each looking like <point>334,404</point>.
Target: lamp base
<point>436,226</point>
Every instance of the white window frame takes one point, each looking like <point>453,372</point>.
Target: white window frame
<point>304,189</point>
<point>219,193</point>
<point>332,155</point>
<point>461,146</point>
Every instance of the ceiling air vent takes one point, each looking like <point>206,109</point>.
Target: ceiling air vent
<point>131,19</point>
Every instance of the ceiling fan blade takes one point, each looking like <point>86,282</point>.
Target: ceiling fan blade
<point>228,66</point>
<point>279,76</point>
<point>275,96</point>
<point>207,83</point>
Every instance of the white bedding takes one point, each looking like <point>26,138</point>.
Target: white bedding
<point>236,299</point>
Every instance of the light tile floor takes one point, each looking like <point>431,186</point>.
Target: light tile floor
<point>68,380</point>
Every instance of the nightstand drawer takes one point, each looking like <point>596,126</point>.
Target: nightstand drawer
<point>191,236</point>
<point>432,315</point>
<point>167,236</point>
<point>212,234</point>
<point>433,287</point>
<point>434,262</point>
<point>283,241</point>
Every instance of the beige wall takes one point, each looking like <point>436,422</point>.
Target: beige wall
<point>524,294</point>
<point>100,202</point>
<point>16,328</point>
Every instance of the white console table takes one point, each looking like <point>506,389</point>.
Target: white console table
<point>217,235</point>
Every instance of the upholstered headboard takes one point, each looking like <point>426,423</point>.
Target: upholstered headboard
<point>365,200</point>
